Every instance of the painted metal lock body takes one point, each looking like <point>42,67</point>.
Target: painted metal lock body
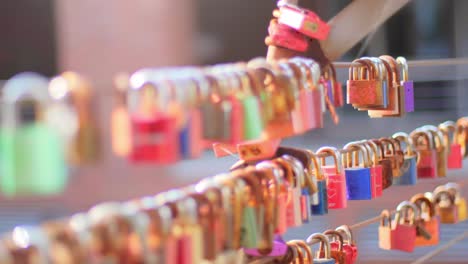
<point>454,158</point>
<point>380,74</point>
<point>461,135</point>
<point>304,21</point>
<point>441,149</point>
<point>409,168</point>
<point>324,249</point>
<point>427,162</point>
<point>373,155</point>
<point>386,75</point>
<point>299,76</point>
<point>282,98</point>
<point>358,174</point>
<point>386,163</point>
<point>407,84</point>
<point>286,37</point>
<point>364,93</point>
<point>392,151</point>
<point>32,151</point>
<point>396,235</point>
<point>445,207</point>
<point>428,220</point>
<point>336,179</point>
<point>337,252</point>
<point>72,102</point>
<point>460,201</point>
<point>349,245</point>
<point>299,184</point>
<point>311,96</point>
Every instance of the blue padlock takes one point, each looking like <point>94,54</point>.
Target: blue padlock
<point>319,203</point>
<point>409,169</point>
<point>358,175</point>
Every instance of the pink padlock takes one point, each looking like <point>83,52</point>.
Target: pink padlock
<point>336,180</point>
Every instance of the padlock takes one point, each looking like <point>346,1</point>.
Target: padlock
<point>392,151</point>
<point>282,197</point>
<point>336,179</point>
<point>409,168</point>
<point>293,212</point>
<point>454,158</point>
<point>309,183</point>
<point>314,93</point>
<point>358,174</point>
<point>121,127</point>
<point>319,204</point>
<point>32,151</point>
<point>298,78</point>
<point>364,93</point>
<point>405,229</point>
<point>427,161</point>
<point>304,252</point>
<point>32,247</point>
<point>286,37</point>
<point>445,206</point>
<point>72,103</point>
<point>324,249</point>
<point>428,220</point>
<point>461,135</point>
<point>337,253</point>
<point>349,245</point>
<point>407,84</point>
<point>395,107</point>
<point>376,168</point>
<point>460,201</point>
<point>154,129</point>
<point>396,235</point>
<point>252,114</point>
<point>441,149</point>
<point>386,163</point>
<point>299,175</point>
<point>304,21</point>
<point>282,99</point>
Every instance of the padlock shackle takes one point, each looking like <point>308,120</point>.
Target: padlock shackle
<point>385,217</point>
<point>394,67</point>
<point>437,135</point>
<point>346,230</point>
<point>325,152</point>
<point>324,244</point>
<point>402,209</point>
<point>420,199</point>
<point>313,69</point>
<point>403,137</point>
<point>319,175</point>
<point>454,188</point>
<point>332,234</point>
<point>298,169</point>
<point>302,245</point>
<point>402,63</point>
<point>438,196</point>
<point>350,148</point>
<point>417,134</point>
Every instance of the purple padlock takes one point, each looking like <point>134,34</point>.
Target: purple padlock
<point>409,95</point>
<point>407,84</point>
<point>279,249</point>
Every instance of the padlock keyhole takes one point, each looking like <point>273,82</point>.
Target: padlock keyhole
<point>27,111</point>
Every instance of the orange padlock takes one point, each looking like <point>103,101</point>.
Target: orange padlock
<point>428,220</point>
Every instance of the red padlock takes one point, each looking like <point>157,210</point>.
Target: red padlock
<point>305,21</point>
<point>349,245</point>
<point>427,163</point>
<point>286,37</point>
<point>155,135</point>
<point>336,180</point>
<point>454,159</point>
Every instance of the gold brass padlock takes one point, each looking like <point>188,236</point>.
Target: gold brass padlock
<point>460,201</point>
<point>445,206</point>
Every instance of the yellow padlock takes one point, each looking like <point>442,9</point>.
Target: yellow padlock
<point>460,201</point>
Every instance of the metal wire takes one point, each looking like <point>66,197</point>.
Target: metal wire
<point>414,63</point>
<point>441,249</point>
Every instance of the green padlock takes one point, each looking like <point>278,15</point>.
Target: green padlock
<point>253,122</point>
<point>32,155</point>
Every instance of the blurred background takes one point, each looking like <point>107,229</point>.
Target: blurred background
<point>102,38</point>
